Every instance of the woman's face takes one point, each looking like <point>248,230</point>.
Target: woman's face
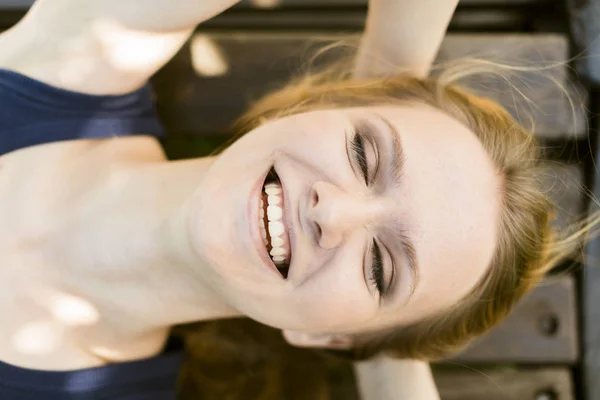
<point>380,229</point>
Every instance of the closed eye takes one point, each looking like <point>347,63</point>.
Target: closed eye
<point>377,275</point>
<point>358,151</point>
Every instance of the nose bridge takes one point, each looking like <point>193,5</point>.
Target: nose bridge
<point>337,212</point>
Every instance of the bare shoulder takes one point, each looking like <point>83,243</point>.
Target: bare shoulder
<point>39,182</point>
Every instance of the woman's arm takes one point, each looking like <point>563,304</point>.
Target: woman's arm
<point>403,34</point>
<point>101,46</point>
<point>385,378</point>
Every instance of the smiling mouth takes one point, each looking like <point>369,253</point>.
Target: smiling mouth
<point>272,223</point>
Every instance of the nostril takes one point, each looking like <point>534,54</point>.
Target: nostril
<point>315,198</point>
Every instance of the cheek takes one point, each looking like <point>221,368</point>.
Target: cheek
<point>336,299</point>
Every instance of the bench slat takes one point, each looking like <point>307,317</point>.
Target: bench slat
<point>538,384</point>
<point>352,19</point>
<point>358,3</point>
<point>542,329</point>
<point>15,4</point>
<point>565,186</point>
<point>254,63</point>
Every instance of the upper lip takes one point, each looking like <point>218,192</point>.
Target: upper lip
<point>289,211</point>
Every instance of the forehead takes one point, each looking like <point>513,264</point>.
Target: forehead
<point>447,202</point>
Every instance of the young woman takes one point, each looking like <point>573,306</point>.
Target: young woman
<point>363,214</point>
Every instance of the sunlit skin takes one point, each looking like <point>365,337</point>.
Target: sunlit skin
<point>445,201</point>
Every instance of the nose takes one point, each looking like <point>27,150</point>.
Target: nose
<point>335,213</point>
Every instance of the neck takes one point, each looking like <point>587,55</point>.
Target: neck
<point>142,248</point>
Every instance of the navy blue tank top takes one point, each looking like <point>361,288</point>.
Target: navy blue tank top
<point>33,113</point>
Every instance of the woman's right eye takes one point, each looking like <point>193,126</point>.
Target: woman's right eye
<point>359,155</point>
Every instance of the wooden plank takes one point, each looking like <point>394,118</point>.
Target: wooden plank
<point>536,384</point>
<point>541,329</point>
<point>535,98</point>
<point>508,3</point>
<point>249,64</point>
<point>331,20</point>
<point>585,29</point>
<point>363,3</point>
<point>15,4</point>
<point>353,19</point>
<point>489,384</point>
<point>564,184</point>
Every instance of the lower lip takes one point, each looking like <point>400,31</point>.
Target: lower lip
<point>253,213</point>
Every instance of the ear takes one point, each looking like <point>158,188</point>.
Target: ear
<point>319,340</point>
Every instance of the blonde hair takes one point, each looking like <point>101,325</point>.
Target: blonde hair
<point>527,248</point>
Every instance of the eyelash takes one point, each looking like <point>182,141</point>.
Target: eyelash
<point>358,150</point>
<point>377,269</point>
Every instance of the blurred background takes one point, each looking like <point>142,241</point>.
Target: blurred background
<point>549,348</point>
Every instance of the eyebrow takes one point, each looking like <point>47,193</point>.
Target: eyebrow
<point>411,256</point>
<point>397,159</point>
<point>396,170</point>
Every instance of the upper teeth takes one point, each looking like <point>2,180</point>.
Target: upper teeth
<point>273,199</point>
<point>280,248</point>
<point>274,212</point>
<point>272,189</point>
<point>275,227</point>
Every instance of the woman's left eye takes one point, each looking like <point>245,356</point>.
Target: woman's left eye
<point>360,156</point>
<point>377,275</point>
